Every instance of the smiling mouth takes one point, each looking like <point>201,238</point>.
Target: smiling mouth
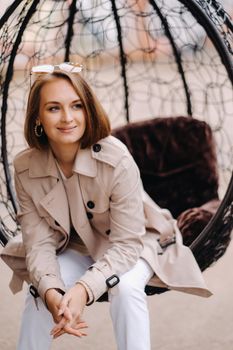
<point>67,129</point>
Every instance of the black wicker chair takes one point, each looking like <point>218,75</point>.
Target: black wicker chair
<point>159,58</point>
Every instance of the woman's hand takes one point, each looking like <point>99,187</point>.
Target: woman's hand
<point>71,308</point>
<point>53,300</point>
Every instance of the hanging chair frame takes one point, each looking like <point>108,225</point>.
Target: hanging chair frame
<point>200,9</point>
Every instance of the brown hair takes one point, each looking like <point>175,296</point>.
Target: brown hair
<point>97,122</point>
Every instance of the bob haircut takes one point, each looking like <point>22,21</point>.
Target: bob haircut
<point>97,122</point>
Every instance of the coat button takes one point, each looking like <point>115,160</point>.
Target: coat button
<point>108,232</point>
<point>89,215</point>
<point>96,147</point>
<point>90,204</point>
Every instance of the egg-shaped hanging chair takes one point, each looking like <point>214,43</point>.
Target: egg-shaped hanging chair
<point>163,69</point>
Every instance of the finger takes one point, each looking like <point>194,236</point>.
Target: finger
<point>66,317</point>
<point>80,325</point>
<point>64,304</point>
<point>58,334</point>
<point>67,314</point>
<point>72,331</point>
<point>59,326</point>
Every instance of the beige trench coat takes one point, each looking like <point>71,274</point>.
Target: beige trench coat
<point>115,218</point>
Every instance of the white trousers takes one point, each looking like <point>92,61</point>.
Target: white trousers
<point>128,307</point>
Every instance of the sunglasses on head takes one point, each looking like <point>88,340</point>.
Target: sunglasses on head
<point>69,67</point>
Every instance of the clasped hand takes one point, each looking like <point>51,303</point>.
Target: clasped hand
<point>67,310</point>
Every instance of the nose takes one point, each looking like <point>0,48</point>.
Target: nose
<point>67,116</point>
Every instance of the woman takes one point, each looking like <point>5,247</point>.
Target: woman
<point>87,225</point>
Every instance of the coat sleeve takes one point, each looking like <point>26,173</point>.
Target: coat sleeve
<point>40,242</point>
<point>127,225</point>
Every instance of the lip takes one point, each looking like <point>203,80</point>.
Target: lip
<point>66,130</point>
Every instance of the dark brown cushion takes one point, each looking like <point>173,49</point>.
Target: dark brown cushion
<point>177,160</point>
<point>192,221</point>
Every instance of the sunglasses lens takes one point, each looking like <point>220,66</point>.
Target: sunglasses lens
<point>46,68</point>
<point>70,67</point>
<point>66,67</point>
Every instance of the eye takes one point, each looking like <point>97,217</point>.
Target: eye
<point>53,108</point>
<point>77,106</point>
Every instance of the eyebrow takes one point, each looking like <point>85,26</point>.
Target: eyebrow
<point>56,102</point>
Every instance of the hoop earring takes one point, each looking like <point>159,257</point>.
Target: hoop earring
<point>38,129</point>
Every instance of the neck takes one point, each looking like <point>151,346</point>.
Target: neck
<point>65,157</point>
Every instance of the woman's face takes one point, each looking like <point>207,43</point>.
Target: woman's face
<point>61,113</point>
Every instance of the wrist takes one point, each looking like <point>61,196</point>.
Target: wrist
<point>52,290</point>
<point>60,291</point>
<point>89,294</point>
<point>51,293</point>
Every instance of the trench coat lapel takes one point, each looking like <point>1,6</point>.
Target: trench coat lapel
<point>55,203</point>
